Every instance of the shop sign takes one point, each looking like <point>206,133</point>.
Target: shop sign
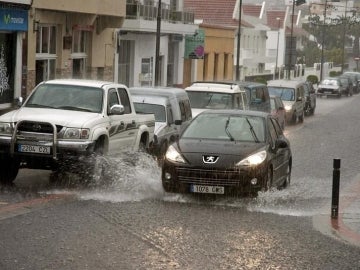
<point>13,20</point>
<point>194,45</point>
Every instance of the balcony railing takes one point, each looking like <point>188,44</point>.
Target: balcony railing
<point>135,11</point>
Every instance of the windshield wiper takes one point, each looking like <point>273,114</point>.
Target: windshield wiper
<point>73,108</point>
<point>38,105</point>
<point>256,139</point>
<point>227,130</point>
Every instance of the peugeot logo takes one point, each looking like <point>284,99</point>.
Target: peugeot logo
<point>210,159</point>
<point>36,127</point>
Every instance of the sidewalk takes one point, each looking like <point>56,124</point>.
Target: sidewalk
<point>347,226</point>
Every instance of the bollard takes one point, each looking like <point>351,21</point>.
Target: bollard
<point>335,189</point>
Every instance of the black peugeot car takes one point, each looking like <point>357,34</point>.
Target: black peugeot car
<point>228,152</point>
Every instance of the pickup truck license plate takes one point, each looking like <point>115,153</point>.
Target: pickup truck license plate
<point>34,149</point>
<point>207,189</point>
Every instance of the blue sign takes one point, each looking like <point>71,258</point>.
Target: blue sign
<point>13,19</point>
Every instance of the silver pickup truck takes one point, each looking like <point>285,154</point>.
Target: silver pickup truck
<point>68,124</point>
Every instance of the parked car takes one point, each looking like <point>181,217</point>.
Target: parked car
<point>258,96</point>
<point>355,78</point>
<point>292,93</point>
<point>331,86</point>
<point>348,85</point>
<point>172,110</point>
<point>228,152</point>
<point>278,110</point>
<point>310,98</point>
<point>64,125</point>
<point>216,95</point>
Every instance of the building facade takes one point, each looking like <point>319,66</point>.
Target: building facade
<point>138,40</point>
<point>72,40</point>
<point>13,29</point>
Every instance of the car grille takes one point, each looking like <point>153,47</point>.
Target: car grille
<point>210,177</point>
<point>28,126</point>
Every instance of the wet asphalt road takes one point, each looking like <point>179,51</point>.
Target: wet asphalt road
<point>42,227</point>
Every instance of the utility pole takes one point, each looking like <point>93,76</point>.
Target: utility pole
<point>277,47</point>
<point>344,37</point>
<point>157,49</point>
<point>238,44</point>
<point>291,41</point>
<point>322,43</point>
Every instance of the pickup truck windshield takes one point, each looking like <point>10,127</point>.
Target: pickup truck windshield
<point>67,97</point>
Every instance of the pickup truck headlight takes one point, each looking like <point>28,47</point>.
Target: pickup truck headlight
<point>288,108</point>
<point>253,160</point>
<point>6,128</point>
<point>76,133</point>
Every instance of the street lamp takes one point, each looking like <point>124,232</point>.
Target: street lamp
<point>238,44</point>
<point>322,43</point>
<point>277,48</point>
<point>157,49</point>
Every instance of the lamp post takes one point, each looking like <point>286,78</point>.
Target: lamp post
<point>322,43</point>
<point>238,44</point>
<point>277,47</point>
<point>289,64</point>
<point>157,49</point>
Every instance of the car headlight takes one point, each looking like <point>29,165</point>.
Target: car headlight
<point>6,128</point>
<point>76,133</point>
<point>173,155</point>
<point>253,160</point>
<point>288,108</point>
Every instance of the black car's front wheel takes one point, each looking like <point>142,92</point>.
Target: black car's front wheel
<point>288,177</point>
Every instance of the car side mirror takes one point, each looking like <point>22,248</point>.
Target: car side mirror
<point>281,144</point>
<point>281,108</point>
<point>117,109</point>
<point>178,122</point>
<point>299,99</point>
<point>18,101</point>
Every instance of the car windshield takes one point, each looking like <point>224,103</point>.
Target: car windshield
<point>226,127</point>
<point>157,110</point>
<point>67,97</point>
<point>329,82</point>
<point>286,94</point>
<point>210,100</point>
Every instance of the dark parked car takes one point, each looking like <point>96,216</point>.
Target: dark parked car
<point>348,85</point>
<point>228,152</point>
<point>331,86</point>
<point>310,98</point>
<point>278,110</point>
<point>355,78</point>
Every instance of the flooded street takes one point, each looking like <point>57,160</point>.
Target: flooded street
<point>131,223</point>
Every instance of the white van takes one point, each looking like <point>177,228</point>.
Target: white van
<point>172,110</point>
<point>216,95</point>
<point>292,93</point>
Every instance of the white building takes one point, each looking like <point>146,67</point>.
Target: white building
<point>137,43</point>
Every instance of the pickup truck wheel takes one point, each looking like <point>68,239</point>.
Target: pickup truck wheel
<point>8,170</point>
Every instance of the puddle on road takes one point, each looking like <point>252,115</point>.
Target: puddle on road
<point>138,178</point>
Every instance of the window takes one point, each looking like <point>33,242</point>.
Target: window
<point>113,99</point>
<point>45,64</point>
<point>79,52</point>
<point>146,71</point>
<point>124,98</point>
<point>125,61</point>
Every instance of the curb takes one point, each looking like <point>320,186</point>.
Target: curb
<point>340,228</point>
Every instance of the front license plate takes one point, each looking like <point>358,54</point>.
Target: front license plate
<point>207,189</point>
<point>34,149</point>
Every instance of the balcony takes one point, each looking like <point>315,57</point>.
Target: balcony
<point>136,11</point>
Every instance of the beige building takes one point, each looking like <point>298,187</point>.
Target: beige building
<point>218,56</point>
<point>72,39</point>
